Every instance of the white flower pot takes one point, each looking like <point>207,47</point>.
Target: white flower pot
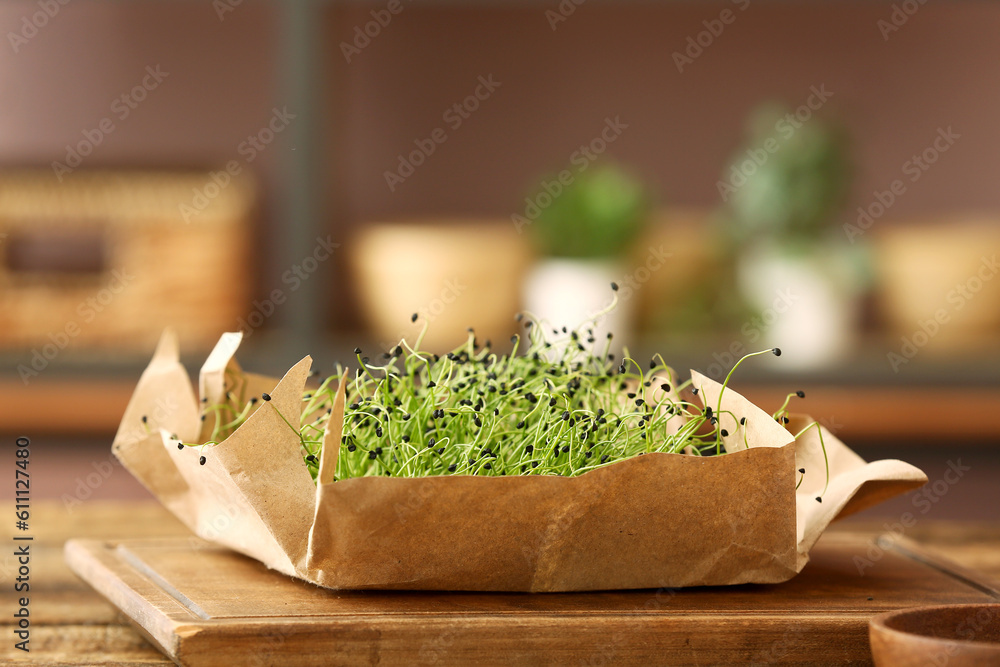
<point>568,292</point>
<point>807,304</point>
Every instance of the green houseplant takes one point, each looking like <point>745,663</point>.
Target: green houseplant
<point>783,191</point>
<point>787,183</point>
<point>596,216</point>
<point>582,232</point>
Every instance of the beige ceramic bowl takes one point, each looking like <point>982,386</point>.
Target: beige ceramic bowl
<point>455,273</point>
<point>953,635</point>
<point>945,271</point>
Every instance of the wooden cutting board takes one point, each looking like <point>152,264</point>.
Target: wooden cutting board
<point>204,605</point>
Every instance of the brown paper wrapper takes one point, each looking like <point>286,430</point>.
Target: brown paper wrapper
<point>658,520</point>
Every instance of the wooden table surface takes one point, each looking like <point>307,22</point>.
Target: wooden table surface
<point>73,625</point>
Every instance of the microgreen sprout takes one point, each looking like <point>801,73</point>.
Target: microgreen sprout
<point>558,404</point>
<point>826,459</point>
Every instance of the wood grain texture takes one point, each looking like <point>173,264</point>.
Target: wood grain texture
<point>71,623</point>
<point>207,606</point>
<point>74,625</point>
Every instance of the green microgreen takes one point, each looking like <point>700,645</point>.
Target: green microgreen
<point>560,403</point>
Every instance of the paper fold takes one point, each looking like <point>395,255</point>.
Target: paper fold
<point>854,485</point>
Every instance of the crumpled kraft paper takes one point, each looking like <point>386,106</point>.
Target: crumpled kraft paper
<point>658,520</point>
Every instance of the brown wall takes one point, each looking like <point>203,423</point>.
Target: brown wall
<point>938,70</point>
<point>557,86</point>
<point>220,86</point>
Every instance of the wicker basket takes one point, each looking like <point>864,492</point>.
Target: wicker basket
<point>107,259</point>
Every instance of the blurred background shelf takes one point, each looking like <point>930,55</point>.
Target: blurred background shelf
<point>947,404</point>
<point>864,414</point>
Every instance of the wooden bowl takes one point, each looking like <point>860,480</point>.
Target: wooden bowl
<point>927,267</point>
<point>454,273</point>
<point>952,635</point>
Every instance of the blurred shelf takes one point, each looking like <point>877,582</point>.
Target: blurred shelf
<point>895,414</point>
<point>944,400</point>
<point>72,407</point>
<point>867,367</point>
<point>274,351</point>
<point>80,406</point>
